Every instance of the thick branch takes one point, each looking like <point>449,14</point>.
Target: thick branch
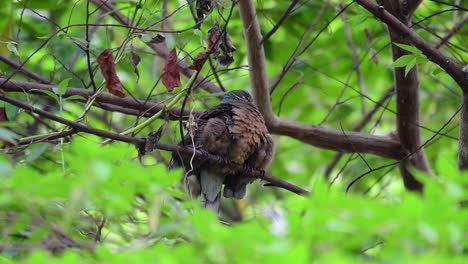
<point>256,57</point>
<point>463,137</point>
<point>407,95</point>
<point>434,55</point>
<point>103,100</point>
<point>343,141</point>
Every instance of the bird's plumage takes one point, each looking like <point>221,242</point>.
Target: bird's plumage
<point>235,130</point>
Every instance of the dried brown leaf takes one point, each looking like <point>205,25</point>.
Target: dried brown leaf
<point>170,73</point>
<point>214,38</point>
<point>199,60</point>
<point>221,45</point>
<point>158,39</point>
<point>106,64</point>
<point>204,7</point>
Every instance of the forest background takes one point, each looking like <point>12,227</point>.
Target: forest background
<point>366,102</point>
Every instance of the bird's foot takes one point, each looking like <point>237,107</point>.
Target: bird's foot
<point>262,175</point>
<point>204,152</point>
<point>223,160</point>
<point>251,171</point>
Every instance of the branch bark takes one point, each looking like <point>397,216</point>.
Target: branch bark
<point>104,100</point>
<point>407,95</point>
<point>463,137</point>
<point>256,57</point>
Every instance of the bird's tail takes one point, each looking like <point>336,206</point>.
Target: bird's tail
<point>235,186</point>
<point>211,184</point>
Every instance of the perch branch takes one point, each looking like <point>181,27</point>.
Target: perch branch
<point>140,142</point>
<point>315,135</point>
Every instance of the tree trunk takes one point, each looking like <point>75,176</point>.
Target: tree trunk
<point>407,94</point>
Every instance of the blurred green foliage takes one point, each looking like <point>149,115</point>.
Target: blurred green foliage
<point>81,191</point>
<point>328,226</point>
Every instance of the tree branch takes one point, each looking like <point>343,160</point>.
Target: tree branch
<point>434,55</point>
<point>104,100</point>
<point>407,100</point>
<point>280,21</point>
<point>463,142</point>
<point>364,121</point>
<point>343,141</point>
<point>314,135</point>
<point>256,57</point>
<point>259,174</point>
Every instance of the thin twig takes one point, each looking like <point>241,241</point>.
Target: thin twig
<point>280,21</point>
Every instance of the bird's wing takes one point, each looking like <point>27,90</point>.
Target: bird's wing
<point>196,137</point>
<point>255,144</point>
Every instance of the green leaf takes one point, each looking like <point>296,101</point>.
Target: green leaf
<point>11,46</point>
<point>421,59</point>
<point>36,150</point>
<point>62,87</point>
<point>8,135</point>
<point>409,48</point>
<point>410,66</point>
<point>403,60</point>
<point>75,97</point>
<point>359,19</point>
<point>11,111</point>
<point>49,93</point>
<point>437,71</point>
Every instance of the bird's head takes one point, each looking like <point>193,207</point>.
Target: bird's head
<point>236,96</point>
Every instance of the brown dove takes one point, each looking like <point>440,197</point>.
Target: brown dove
<point>234,130</point>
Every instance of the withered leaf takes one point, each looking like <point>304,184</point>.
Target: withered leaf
<point>199,60</point>
<point>220,44</point>
<point>106,64</point>
<point>158,39</point>
<point>225,59</point>
<point>203,7</point>
<point>134,61</point>
<point>226,43</point>
<point>170,73</point>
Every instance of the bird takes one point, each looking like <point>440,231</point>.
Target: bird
<point>234,130</point>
